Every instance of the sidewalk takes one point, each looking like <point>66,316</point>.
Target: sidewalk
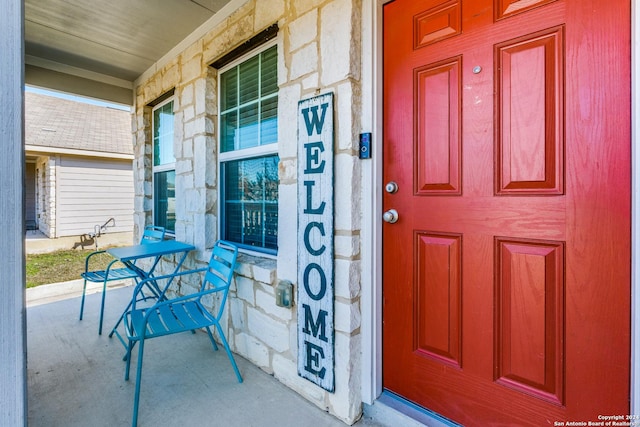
<point>37,243</point>
<point>53,292</point>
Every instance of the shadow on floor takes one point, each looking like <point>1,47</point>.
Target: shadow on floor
<point>76,378</point>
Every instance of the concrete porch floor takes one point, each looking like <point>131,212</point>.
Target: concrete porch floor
<point>76,377</point>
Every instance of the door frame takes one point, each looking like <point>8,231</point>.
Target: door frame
<point>371,197</point>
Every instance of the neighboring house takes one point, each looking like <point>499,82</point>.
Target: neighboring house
<point>78,167</point>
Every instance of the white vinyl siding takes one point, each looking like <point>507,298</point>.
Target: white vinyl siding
<point>90,191</point>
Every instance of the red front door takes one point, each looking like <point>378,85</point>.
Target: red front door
<point>507,273</point>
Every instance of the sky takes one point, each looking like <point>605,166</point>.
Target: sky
<point>76,98</point>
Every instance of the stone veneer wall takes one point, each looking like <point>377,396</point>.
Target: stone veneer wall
<point>318,51</point>
<point>46,195</point>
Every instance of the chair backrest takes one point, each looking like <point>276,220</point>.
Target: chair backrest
<point>221,266</point>
<point>152,234</point>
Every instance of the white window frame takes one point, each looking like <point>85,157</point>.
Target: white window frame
<point>164,167</point>
<point>245,153</point>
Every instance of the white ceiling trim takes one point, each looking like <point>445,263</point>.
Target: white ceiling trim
<point>78,72</point>
<point>35,149</point>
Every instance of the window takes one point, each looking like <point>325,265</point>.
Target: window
<point>164,174</point>
<point>248,152</point>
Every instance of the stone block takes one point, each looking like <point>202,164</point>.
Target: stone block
<point>267,13</point>
<point>286,371</point>
<point>191,51</point>
<point>268,289</point>
<point>346,403</point>
<point>194,127</point>
<point>304,61</point>
<point>178,130</point>
<point>210,231</point>
<point>347,136</point>
<point>267,303</point>
<point>192,69</point>
<point>347,194</point>
<point>347,316</point>
<point>194,201</point>
<point>288,232</point>
<point>211,200</point>
<point>200,170</point>
<point>303,30</point>
<point>347,278</point>
<point>347,246</point>
<point>201,98</point>
<point>238,317</point>
<point>303,6</point>
<point>336,29</point>
<point>245,289</point>
<point>183,166</point>
<point>270,331</point>
<point>264,272</point>
<point>170,76</point>
<point>253,350</point>
<point>199,226</point>
<point>311,82</point>
<point>283,63</point>
<point>243,267</point>
<point>288,98</point>
<point>189,113</point>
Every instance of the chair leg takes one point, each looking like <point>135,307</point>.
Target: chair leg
<point>136,399</point>
<point>229,354</point>
<point>104,294</point>
<point>127,358</point>
<point>120,320</point>
<point>84,290</point>
<point>213,342</point>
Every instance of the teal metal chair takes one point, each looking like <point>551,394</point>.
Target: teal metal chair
<point>151,234</point>
<point>184,313</point>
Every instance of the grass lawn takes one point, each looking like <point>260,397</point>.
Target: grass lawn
<point>61,266</point>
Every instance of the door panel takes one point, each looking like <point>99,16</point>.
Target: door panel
<point>507,276</point>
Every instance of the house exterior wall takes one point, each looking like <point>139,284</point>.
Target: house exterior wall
<point>74,194</point>
<point>319,51</point>
<point>90,192</point>
<point>30,195</point>
<point>46,195</point>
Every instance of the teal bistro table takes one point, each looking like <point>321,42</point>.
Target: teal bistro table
<point>129,255</point>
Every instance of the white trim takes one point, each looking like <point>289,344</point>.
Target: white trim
<point>635,209</point>
<point>13,330</point>
<point>166,167</point>
<point>244,153</point>
<point>192,38</point>
<point>248,153</point>
<point>37,150</point>
<point>371,199</point>
<point>245,57</point>
<point>78,72</point>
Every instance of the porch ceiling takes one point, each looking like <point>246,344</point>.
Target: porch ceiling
<point>97,48</point>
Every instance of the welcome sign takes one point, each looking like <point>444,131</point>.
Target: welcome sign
<point>315,241</point>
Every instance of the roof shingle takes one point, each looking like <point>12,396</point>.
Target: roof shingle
<point>61,123</point>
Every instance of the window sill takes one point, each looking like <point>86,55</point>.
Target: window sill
<point>257,267</point>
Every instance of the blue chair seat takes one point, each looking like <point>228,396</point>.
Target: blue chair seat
<point>166,320</point>
<point>115,274</point>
